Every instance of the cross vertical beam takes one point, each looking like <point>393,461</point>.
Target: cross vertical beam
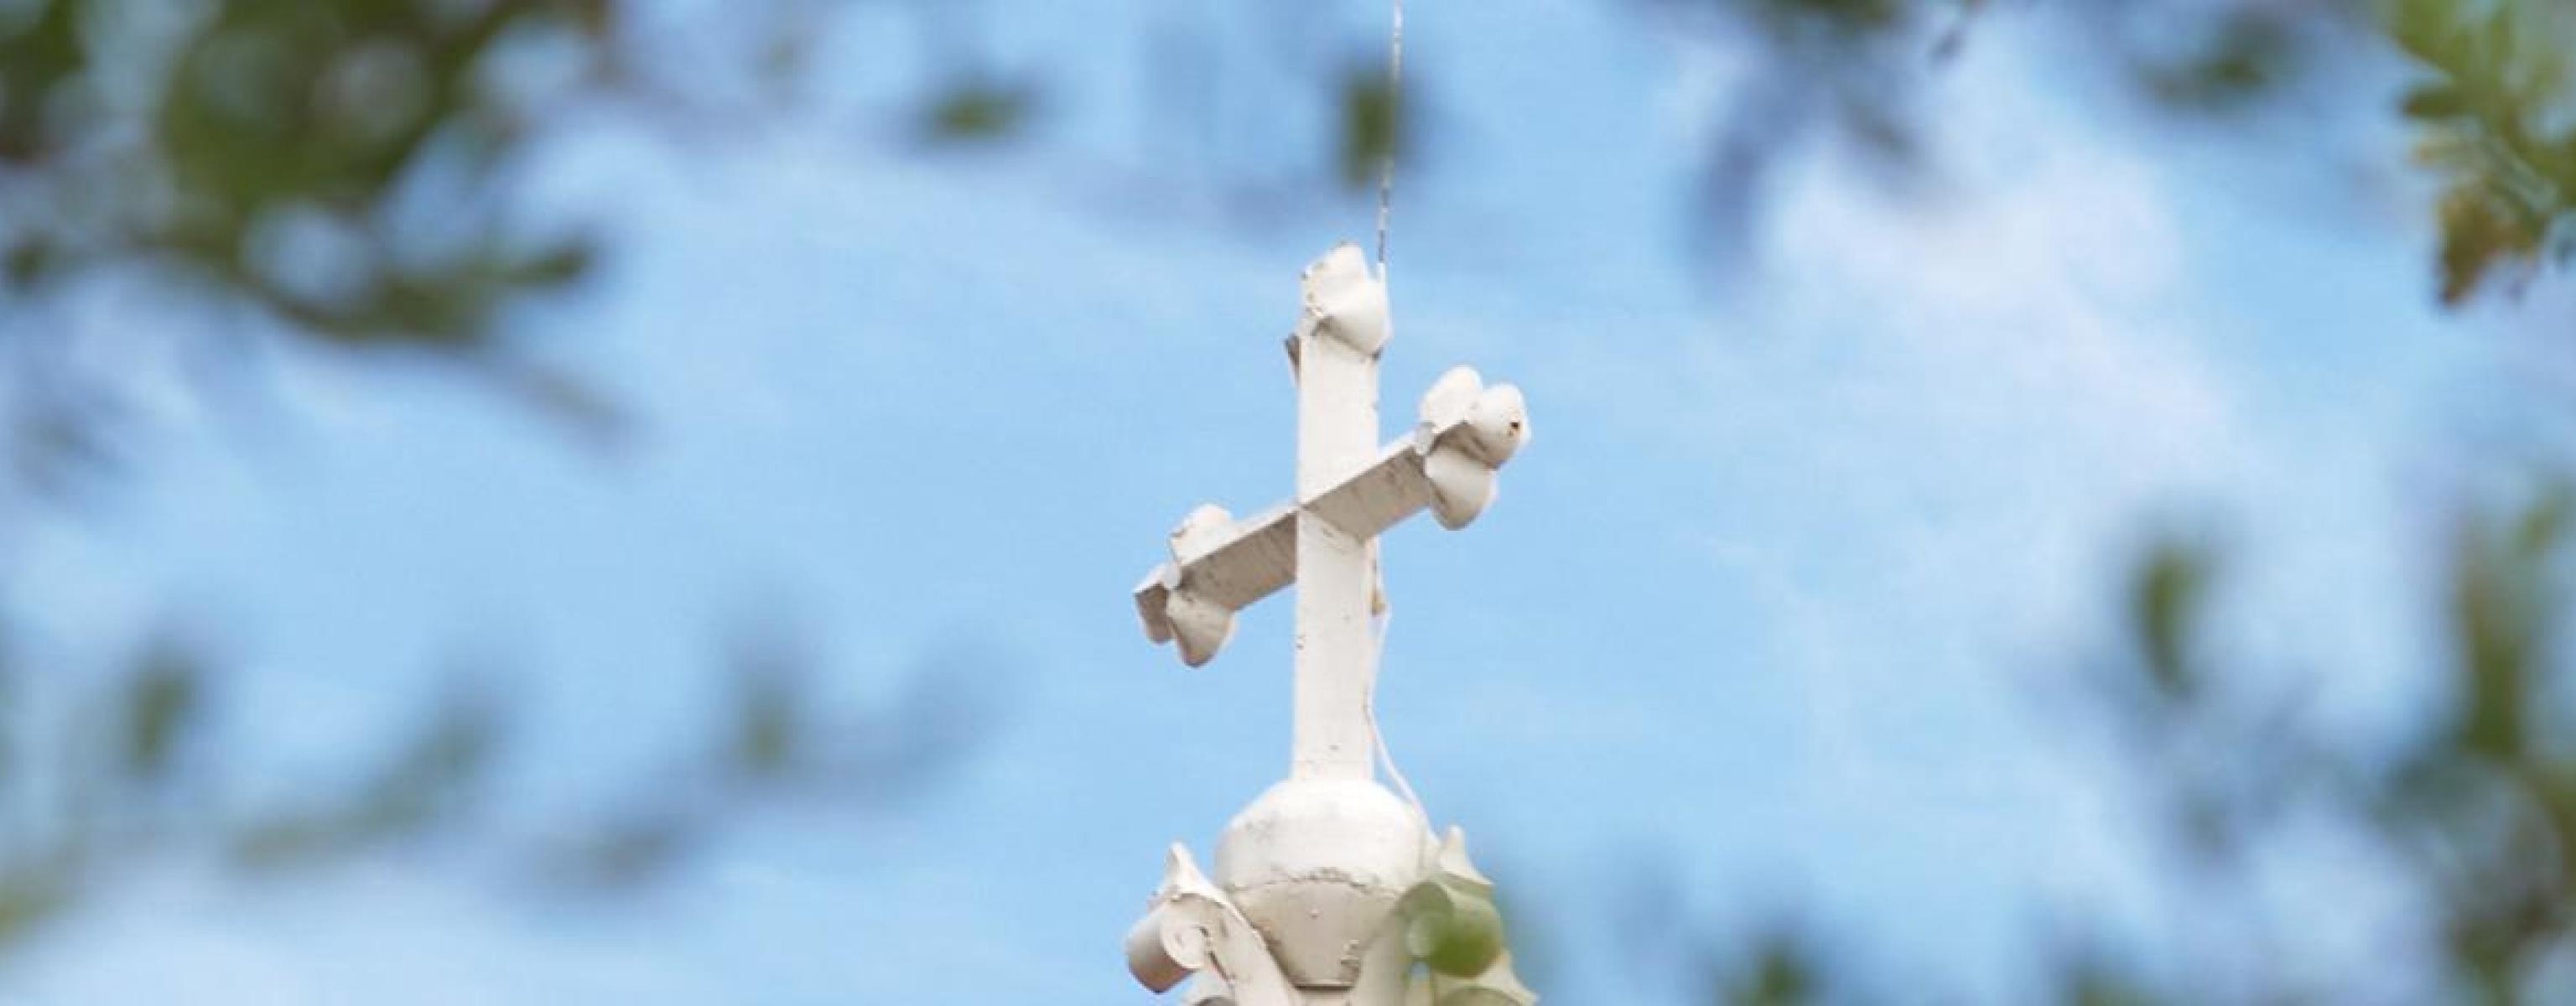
<point>1336,573</point>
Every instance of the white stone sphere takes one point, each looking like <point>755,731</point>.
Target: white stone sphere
<point>1316,865</point>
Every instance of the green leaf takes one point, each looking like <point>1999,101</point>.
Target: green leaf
<point>2496,43</point>
<point>978,112</point>
<point>2165,602</point>
<point>1373,124</point>
<point>2419,26</point>
<point>160,705</point>
<point>1453,932</point>
<point>556,267</point>
<point>28,263</point>
<point>2434,101</point>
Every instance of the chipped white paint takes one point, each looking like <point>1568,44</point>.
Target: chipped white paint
<point>1309,876</point>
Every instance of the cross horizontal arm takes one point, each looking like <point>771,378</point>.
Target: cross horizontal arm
<point>1220,565</point>
<point>1382,495</point>
<point>1231,566</point>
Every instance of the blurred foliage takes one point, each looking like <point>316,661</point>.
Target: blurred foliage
<point>2475,812</point>
<point>431,778</point>
<point>2483,804</point>
<point>2491,119</point>
<point>151,788</point>
<point>1373,124</point>
<point>2165,595</point>
<point>268,147</point>
<point>162,701</point>
<point>2492,122</point>
<point>1779,970</point>
<point>343,174</point>
<point>339,172</point>
<point>1840,70</point>
<point>979,111</point>
<point>345,166</point>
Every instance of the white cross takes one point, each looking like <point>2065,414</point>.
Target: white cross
<point>1349,489</point>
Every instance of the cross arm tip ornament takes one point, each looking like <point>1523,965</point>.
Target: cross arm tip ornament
<point>1218,566</point>
<point>1344,300</point>
<point>1467,433</point>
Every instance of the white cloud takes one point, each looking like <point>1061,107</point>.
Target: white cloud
<point>1932,426</point>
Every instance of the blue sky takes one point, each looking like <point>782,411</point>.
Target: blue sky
<point>1783,605</point>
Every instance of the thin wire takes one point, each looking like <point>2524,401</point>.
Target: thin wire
<point>1395,137</point>
<point>1386,758</point>
<point>1385,213</point>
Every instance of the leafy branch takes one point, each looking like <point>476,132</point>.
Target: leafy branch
<point>2498,73</point>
